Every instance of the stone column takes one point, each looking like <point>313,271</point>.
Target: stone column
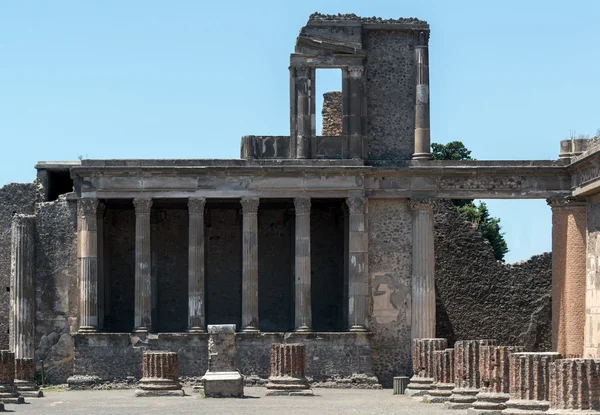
<point>355,144</point>
<point>101,276</point>
<point>143,276</point>
<point>160,375</point>
<point>422,357</point>
<point>250,266</point>
<point>358,273</point>
<point>196,303</point>
<point>529,383</point>
<point>494,370</point>
<point>222,379</point>
<point>422,132</point>
<point>87,253</point>
<point>8,391</point>
<point>303,312</point>
<point>443,376</point>
<point>423,270</point>
<point>575,387</point>
<point>288,364</point>
<point>568,275</point>
<point>467,379</point>
<point>304,123</point>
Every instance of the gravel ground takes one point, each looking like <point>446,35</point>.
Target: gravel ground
<point>325,401</point>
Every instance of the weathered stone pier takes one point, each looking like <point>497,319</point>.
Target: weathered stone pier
<point>288,364</point>
<point>422,356</point>
<point>222,379</point>
<point>8,391</point>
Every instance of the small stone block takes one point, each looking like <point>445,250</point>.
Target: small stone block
<point>158,392</point>
<point>17,400</point>
<point>223,385</point>
<point>32,394</point>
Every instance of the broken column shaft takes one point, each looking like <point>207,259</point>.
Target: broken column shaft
<point>529,383</point>
<point>422,357</point>
<point>288,364</point>
<point>575,387</point>
<point>160,375</point>
<point>443,376</point>
<point>8,391</point>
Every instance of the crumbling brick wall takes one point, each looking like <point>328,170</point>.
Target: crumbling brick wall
<point>332,114</point>
<point>480,297</point>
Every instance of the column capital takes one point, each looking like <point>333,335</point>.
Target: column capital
<point>196,205</point>
<point>422,203</point>
<point>421,38</point>
<point>565,202</point>
<point>356,71</point>
<point>356,204</point>
<point>23,219</point>
<point>87,207</point>
<point>249,205</point>
<point>302,71</point>
<point>142,205</point>
<point>302,205</point>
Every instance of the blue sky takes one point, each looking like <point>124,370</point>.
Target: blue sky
<point>186,79</point>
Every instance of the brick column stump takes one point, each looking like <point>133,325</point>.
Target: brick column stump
<point>575,387</point>
<point>467,380</point>
<point>160,375</point>
<point>443,376</point>
<point>494,371</point>
<point>288,364</point>
<point>8,391</point>
<point>529,383</point>
<point>25,378</point>
<point>222,379</point>
<point>422,357</point>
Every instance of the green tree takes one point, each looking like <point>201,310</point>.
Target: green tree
<point>478,215</point>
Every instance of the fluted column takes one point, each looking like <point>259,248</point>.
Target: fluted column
<point>422,357</point>
<point>87,232</point>
<point>575,387</point>
<point>422,131</point>
<point>143,282</point>
<point>160,374</point>
<point>423,270</point>
<point>288,364</point>
<point>358,284</point>
<point>304,123</point>
<point>303,314</point>
<point>355,138</point>
<point>529,383</point>
<point>568,275</point>
<point>196,272</point>
<point>250,265</point>
<point>443,376</point>
<point>100,210</point>
<point>467,380</point>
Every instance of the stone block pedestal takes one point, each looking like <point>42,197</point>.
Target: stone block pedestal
<point>160,375</point>
<point>288,363</point>
<point>222,380</point>
<point>8,391</point>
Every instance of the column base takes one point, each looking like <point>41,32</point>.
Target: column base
<point>421,156</point>
<point>303,329</point>
<point>250,329</point>
<point>88,329</point>
<point>142,330</point>
<point>141,393</point>
<point>489,403</point>
<point>357,328</point>
<point>193,330</point>
<point>461,399</point>
<point>525,407</point>
<point>418,386</point>
<point>439,393</point>
<point>28,389</point>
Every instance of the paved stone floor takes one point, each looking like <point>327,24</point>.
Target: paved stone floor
<point>326,401</point>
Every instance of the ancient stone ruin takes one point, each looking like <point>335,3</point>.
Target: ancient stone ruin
<point>288,363</point>
<point>160,375</point>
<point>337,241</point>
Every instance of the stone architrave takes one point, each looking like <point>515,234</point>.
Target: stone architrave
<point>222,379</point>
<point>529,383</point>
<point>288,364</point>
<point>466,373</point>
<point>22,299</point>
<point>160,375</point>
<point>443,376</point>
<point>575,387</point>
<point>422,357</point>
<point>8,391</point>
<point>494,370</point>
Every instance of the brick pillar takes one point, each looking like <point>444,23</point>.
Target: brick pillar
<point>288,364</point>
<point>422,130</point>
<point>250,265</point>
<point>422,357</point>
<point>467,379</point>
<point>196,272</point>
<point>443,376</point>
<point>568,276</point>
<point>143,272</point>
<point>423,270</point>
<point>160,374</point>
<point>358,273</point>
<point>494,370</point>
<point>575,387</point>
<point>529,383</point>
<point>8,391</point>
<point>87,254</point>
<point>303,312</point>
<point>222,378</point>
